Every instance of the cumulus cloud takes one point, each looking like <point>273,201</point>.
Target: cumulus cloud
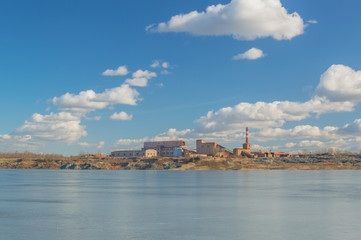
<point>121,71</point>
<point>251,54</point>
<point>242,19</point>
<point>144,74</point>
<point>87,101</point>
<point>140,78</point>
<point>340,83</point>
<point>55,127</point>
<point>314,138</point>
<point>338,91</point>
<point>137,82</point>
<point>121,116</point>
<point>298,132</point>
<point>264,115</point>
<point>155,64</point>
<point>313,143</point>
<point>351,129</point>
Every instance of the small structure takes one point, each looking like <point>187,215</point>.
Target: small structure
<point>134,153</point>
<point>271,154</point>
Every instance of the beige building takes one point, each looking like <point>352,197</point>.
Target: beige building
<point>210,148</point>
<point>134,153</point>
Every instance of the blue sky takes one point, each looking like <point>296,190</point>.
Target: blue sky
<point>299,88</point>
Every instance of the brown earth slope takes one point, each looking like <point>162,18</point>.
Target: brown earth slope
<point>312,162</point>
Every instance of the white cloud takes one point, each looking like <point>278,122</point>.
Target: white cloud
<point>351,129</point>
<point>55,127</point>
<point>172,134</point>
<point>87,101</point>
<point>264,115</point>
<point>5,137</point>
<point>251,54</point>
<point>312,21</point>
<point>92,145</point>
<point>97,118</point>
<point>242,19</point>
<point>298,132</point>
<point>165,65</point>
<point>307,144</point>
<point>84,144</point>
<point>101,144</point>
<point>121,71</point>
<point>144,74</point>
<point>340,83</point>
<point>129,142</point>
<point>338,91</point>
<point>290,145</point>
<point>121,116</point>
<point>140,78</point>
<point>155,64</point>
<point>137,82</point>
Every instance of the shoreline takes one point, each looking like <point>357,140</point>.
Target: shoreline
<point>311,162</point>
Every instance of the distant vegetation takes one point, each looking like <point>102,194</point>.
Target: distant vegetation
<point>316,161</point>
<point>34,156</point>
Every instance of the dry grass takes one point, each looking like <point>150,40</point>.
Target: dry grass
<point>34,156</point>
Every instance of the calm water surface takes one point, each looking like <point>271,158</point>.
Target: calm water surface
<point>154,205</point>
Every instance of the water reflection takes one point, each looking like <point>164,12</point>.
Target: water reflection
<point>179,205</point>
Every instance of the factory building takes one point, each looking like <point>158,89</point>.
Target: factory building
<point>169,151</point>
<point>178,148</point>
<point>211,148</point>
<point>134,153</point>
<point>246,150</point>
<point>167,148</point>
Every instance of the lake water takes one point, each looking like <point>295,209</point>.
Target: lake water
<point>157,205</point>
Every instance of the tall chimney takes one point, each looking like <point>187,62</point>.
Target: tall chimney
<point>247,141</point>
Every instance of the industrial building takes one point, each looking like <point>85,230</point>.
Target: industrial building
<point>211,148</point>
<point>134,153</point>
<point>154,149</point>
<point>178,148</point>
<point>246,150</point>
<point>167,148</point>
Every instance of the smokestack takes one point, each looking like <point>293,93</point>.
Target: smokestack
<point>247,141</point>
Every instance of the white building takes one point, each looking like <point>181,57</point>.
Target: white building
<point>134,153</point>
